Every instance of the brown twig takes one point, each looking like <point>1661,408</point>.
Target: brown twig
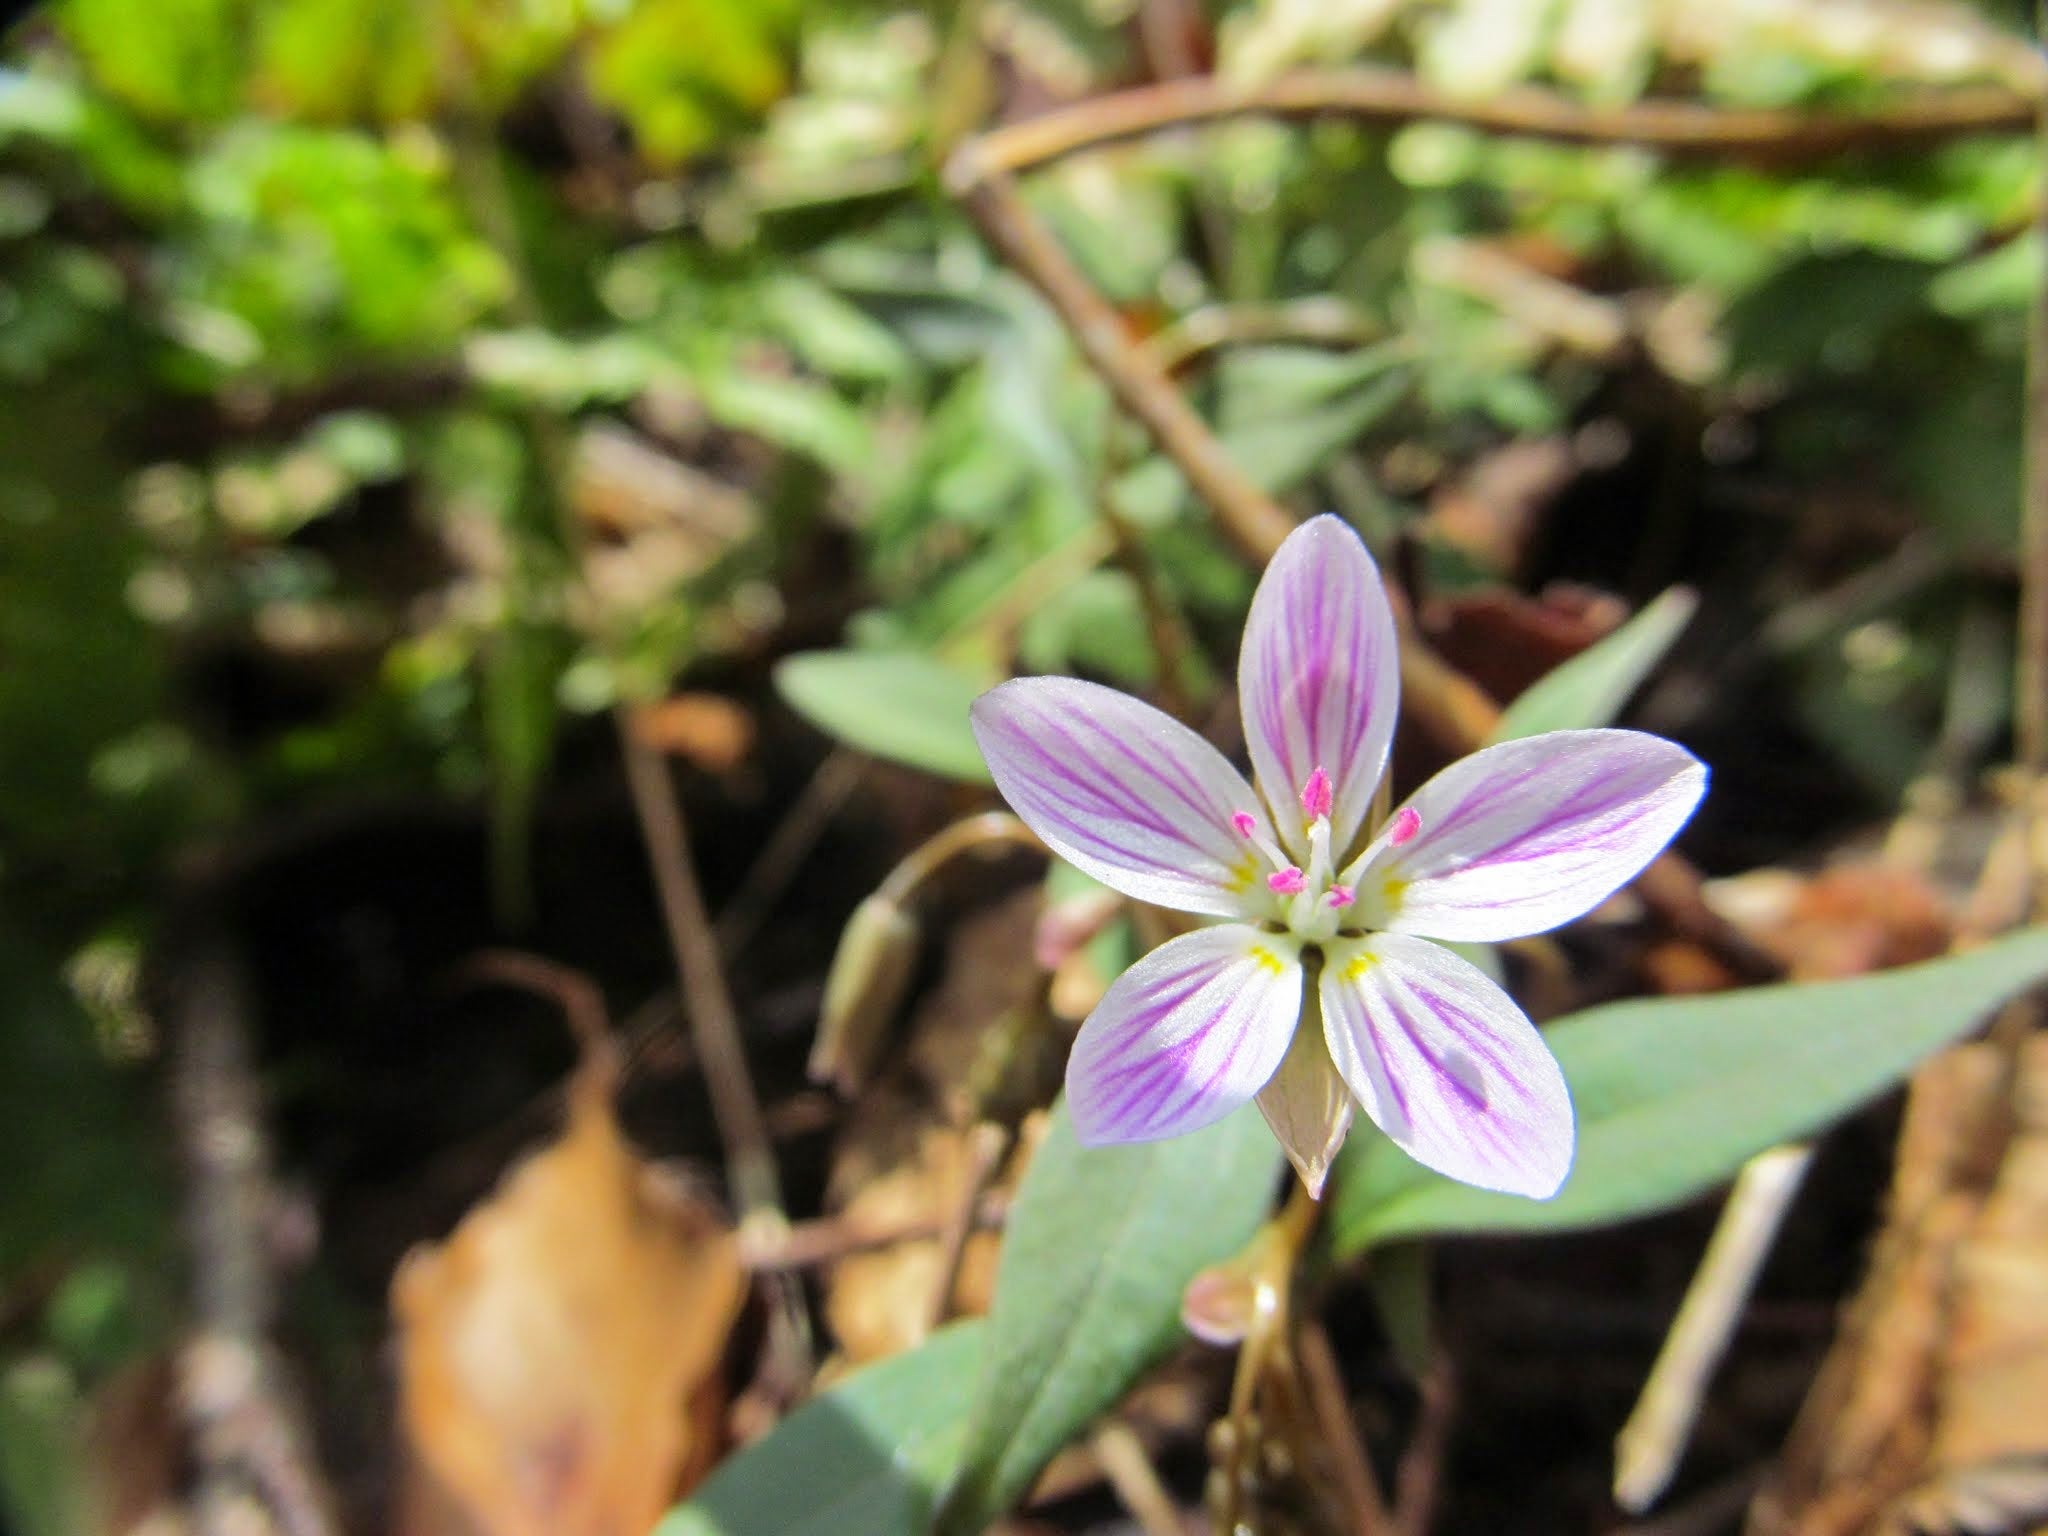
<point>715,1035</point>
<point>1248,516</point>
<point>1389,97</point>
<point>986,1143</point>
<point>1364,1505</point>
<point>707,1005</point>
<point>1419,1476</point>
<point>828,1239</point>
<point>579,998</point>
<point>787,847</point>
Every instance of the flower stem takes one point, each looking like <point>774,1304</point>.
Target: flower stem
<point>1279,1247</point>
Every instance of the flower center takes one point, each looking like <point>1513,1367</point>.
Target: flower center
<point>1311,901</point>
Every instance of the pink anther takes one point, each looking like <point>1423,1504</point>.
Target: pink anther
<point>1406,824</point>
<point>1245,823</point>
<point>1287,882</point>
<point>1318,795</point>
<point>1340,896</point>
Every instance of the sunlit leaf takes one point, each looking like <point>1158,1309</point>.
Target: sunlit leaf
<point>1097,1251</point>
<point>866,1458</point>
<point>1674,1094</point>
<point>1591,688</point>
<point>901,705</point>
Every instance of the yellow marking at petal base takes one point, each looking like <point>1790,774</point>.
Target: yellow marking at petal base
<point>1360,964</point>
<point>1265,957</point>
<point>1392,891</point>
<point>1243,873</point>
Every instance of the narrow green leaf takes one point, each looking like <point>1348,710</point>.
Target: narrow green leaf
<point>864,1459</point>
<point>1591,688</point>
<point>1099,1247</point>
<point>830,332</point>
<point>795,413</point>
<point>902,705</point>
<point>1674,1094</point>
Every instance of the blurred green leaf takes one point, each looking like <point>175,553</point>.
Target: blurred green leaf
<point>866,1458</point>
<point>2006,278</point>
<point>176,59</point>
<point>1098,1248</point>
<point>905,706</point>
<point>795,413</point>
<point>1591,688</point>
<point>1096,624</point>
<point>1958,450</point>
<point>1824,313</point>
<point>683,72</point>
<point>43,1477</point>
<point>1400,1278</point>
<point>1673,1094</point>
<point>831,333</point>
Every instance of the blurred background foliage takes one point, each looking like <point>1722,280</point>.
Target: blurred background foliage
<point>387,385</point>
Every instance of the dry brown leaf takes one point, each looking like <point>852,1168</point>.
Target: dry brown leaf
<point>880,1303</point>
<point>559,1353</point>
<point>706,729</point>
<point>1505,642</point>
<point>978,1048</point>
<point>1942,1369</point>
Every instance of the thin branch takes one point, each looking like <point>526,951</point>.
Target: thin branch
<point>715,1033</point>
<point>1250,518</point>
<point>579,998</point>
<point>707,1004</point>
<point>1389,97</point>
<point>1364,1504</point>
<point>986,1144</point>
<point>1419,1477</point>
<point>792,842</point>
<point>828,1239</point>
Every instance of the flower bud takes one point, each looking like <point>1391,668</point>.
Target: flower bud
<point>870,973</point>
<point>1065,926</point>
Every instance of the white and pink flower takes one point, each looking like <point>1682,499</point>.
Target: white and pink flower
<point>1328,918</point>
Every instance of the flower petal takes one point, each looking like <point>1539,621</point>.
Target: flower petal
<point>1319,678</point>
<point>1521,837</point>
<point>1186,1035</point>
<point>1447,1065</point>
<point>1124,793</point>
